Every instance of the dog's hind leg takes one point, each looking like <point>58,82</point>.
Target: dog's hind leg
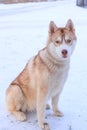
<point>15,102</point>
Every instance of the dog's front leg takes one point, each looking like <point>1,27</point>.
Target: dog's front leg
<point>41,104</point>
<point>55,101</point>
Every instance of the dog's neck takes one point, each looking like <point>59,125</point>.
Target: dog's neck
<point>51,62</point>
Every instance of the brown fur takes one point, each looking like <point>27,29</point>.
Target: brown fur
<point>42,78</point>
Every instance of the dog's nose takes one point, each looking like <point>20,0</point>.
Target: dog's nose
<point>64,52</point>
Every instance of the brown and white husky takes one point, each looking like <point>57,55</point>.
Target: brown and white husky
<point>44,76</point>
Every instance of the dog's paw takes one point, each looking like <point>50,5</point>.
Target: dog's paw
<point>58,113</point>
<point>46,126</point>
<point>20,116</point>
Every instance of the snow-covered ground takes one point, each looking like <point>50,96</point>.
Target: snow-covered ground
<point>23,31</point>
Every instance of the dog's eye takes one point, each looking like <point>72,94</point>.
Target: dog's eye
<point>68,41</point>
<point>57,42</point>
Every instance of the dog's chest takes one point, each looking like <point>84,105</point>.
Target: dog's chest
<point>56,82</point>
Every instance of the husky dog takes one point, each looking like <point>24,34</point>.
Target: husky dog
<point>44,76</point>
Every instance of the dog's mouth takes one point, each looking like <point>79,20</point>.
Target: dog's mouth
<point>64,56</point>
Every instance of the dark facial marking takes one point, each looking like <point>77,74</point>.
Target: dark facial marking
<point>62,30</point>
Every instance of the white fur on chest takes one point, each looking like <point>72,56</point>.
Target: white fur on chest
<point>56,82</point>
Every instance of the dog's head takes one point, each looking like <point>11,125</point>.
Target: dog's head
<point>61,41</point>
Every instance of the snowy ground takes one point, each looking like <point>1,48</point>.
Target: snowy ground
<point>23,31</point>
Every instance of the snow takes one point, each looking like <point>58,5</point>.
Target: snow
<point>23,31</point>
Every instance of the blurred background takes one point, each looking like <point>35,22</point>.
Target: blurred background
<point>19,1</point>
<point>78,2</point>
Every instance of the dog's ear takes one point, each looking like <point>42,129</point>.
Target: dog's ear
<point>52,27</point>
<point>70,25</point>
